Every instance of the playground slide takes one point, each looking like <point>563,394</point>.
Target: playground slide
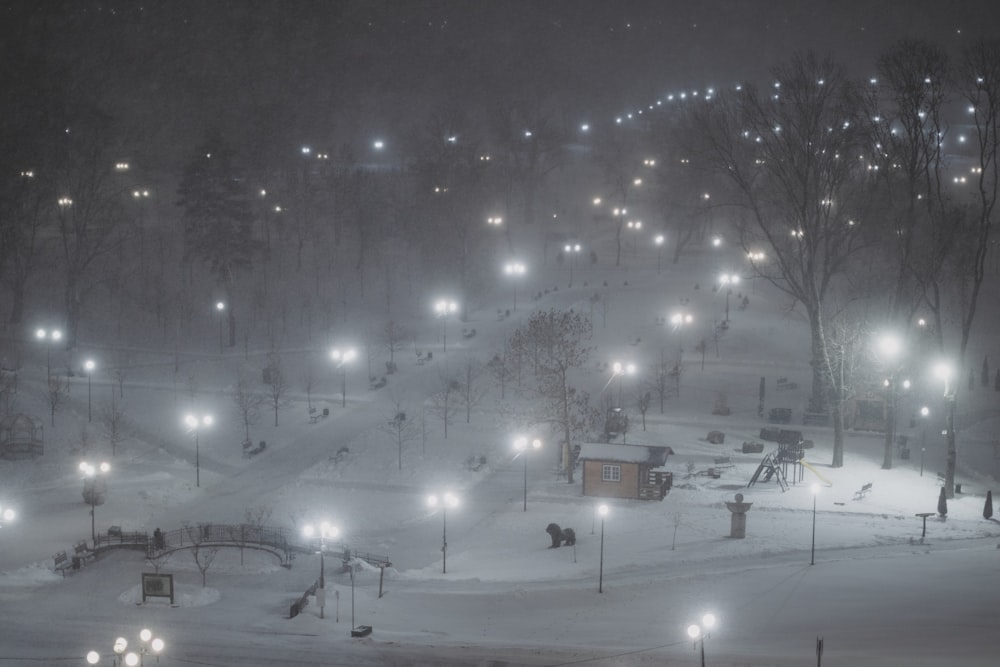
<point>816,472</point>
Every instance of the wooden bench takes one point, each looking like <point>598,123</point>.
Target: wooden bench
<point>723,462</point>
<point>782,384</point>
<point>249,450</point>
<point>61,563</point>
<point>863,491</point>
<point>81,550</point>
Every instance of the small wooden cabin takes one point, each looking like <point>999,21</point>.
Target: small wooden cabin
<point>625,471</point>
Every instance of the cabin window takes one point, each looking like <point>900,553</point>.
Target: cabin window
<point>611,473</point>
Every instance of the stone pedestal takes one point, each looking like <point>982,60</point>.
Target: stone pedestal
<point>739,520</point>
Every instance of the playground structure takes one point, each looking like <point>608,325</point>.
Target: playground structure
<point>776,465</point>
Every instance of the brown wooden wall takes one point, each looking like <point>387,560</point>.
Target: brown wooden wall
<point>628,487</point>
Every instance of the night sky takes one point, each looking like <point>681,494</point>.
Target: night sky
<point>329,71</point>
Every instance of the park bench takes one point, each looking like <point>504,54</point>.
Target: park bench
<point>816,419</point>
<point>61,563</point>
<point>82,551</point>
<point>376,383</point>
<point>782,384</point>
<point>249,450</point>
<point>780,416</point>
<point>468,333</point>
<point>863,491</point>
<point>723,462</point>
<point>750,447</point>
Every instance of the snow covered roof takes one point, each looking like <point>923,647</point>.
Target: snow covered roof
<point>624,453</point>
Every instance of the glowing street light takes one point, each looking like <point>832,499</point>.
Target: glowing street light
<point>727,280</point>
<point>698,632</point>
<point>889,348</point>
<point>123,657</point>
<point>516,270</point>
<point>220,307</point>
<point>572,249</point>
<point>88,367</point>
<point>443,308</point>
<point>7,515</point>
<point>658,241</point>
<point>944,372</point>
<point>322,532</point>
<point>494,221</point>
<point>343,357</point>
<point>924,414</point>
<point>445,500</point>
<point>812,550</point>
<point>95,490</point>
<point>194,425</point>
<point>619,370</point>
<point>602,510</point>
<point>50,337</point>
<point>521,444</point>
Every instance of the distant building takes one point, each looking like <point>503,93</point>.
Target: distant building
<point>625,471</point>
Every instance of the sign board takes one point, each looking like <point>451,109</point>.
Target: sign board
<point>157,586</point>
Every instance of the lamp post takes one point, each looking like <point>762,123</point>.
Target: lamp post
<point>443,308</point>
<point>944,371</point>
<point>619,370</point>
<point>572,249</point>
<point>889,348</point>
<point>924,413</point>
<point>679,322</point>
<point>727,280</point>
<point>658,241</point>
<point>95,490</point>
<point>195,424</point>
<point>521,445</point>
<point>603,511</point>
<point>49,337</point>
<point>812,550</point>
<point>88,367</point>
<point>220,306</point>
<point>122,656</point>
<point>322,532</point>
<point>515,270</point>
<point>698,632</point>
<point>343,357</point>
<point>445,500</point>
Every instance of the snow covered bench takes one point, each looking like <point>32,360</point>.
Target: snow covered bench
<point>61,563</point>
<point>863,491</point>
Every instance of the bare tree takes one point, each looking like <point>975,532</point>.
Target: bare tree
<point>782,152</point>
<point>393,338</point>
<point>401,430</point>
<point>556,339</point>
<point>308,384</point>
<point>247,401</point>
<point>500,367</point>
<point>202,555</point>
<point>443,402</point>
<point>114,423</point>
<point>643,405</point>
<point>471,391</point>
<point>57,394</point>
<point>277,385</point>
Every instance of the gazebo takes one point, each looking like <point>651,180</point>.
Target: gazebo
<point>21,437</point>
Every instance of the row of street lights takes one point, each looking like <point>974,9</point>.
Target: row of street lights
<point>121,656</point>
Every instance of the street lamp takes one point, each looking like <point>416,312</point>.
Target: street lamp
<point>50,337</point>
<point>521,445</point>
<point>943,371</point>
<point>122,656</point>
<point>635,226</point>
<point>812,550</point>
<point>89,367</point>
<point>323,532</point>
<point>443,308</point>
<point>515,270</point>
<point>889,348</point>
<point>727,280</point>
<point>494,221</point>
<point>699,632</point>
<point>7,515</point>
<point>572,249</point>
<point>924,413</point>
<point>445,500</point>
<point>658,241</point>
<point>95,490</point>
<point>620,370</point>
<point>602,510</point>
<point>220,306</point>
<point>679,321</point>
<point>195,424</point>
<point>343,357</point>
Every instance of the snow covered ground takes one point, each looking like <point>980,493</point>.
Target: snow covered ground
<point>878,593</point>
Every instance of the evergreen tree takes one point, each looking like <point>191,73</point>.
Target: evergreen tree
<point>943,503</point>
<point>988,508</point>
